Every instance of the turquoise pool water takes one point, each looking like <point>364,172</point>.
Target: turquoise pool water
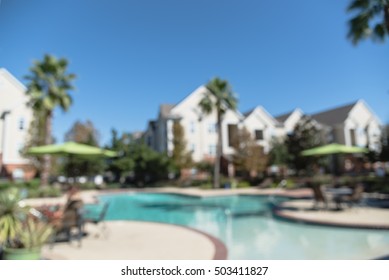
<point>245,224</point>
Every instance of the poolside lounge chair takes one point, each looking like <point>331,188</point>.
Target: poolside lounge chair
<point>72,218</point>
<point>350,200</point>
<point>97,218</point>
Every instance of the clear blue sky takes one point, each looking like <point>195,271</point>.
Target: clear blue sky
<point>131,56</point>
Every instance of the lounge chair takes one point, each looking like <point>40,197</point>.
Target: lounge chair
<point>72,218</point>
<point>97,217</point>
<point>350,200</point>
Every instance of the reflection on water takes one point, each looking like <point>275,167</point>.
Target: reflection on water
<point>246,226</point>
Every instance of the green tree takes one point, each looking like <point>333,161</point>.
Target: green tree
<point>384,154</point>
<point>84,133</point>
<point>37,137</point>
<point>279,155</point>
<point>137,161</point>
<point>48,87</point>
<point>371,20</point>
<point>150,166</point>
<point>306,135</point>
<point>249,157</point>
<point>219,98</point>
<point>124,164</point>
<point>180,156</point>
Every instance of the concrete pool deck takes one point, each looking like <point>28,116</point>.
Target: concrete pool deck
<point>355,217</point>
<point>130,240</point>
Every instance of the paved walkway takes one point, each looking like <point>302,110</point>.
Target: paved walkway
<point>130,240</point>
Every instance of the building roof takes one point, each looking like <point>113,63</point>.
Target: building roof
<point>245,114</point>
<point>11,78</point>
<point>334,116</point>
<point>266,113</point>
<point>165,109</point>
<point>282,118</point>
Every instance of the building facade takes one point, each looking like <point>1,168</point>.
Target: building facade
<point>263,127</point>
<point>199,129</point>
<point>353,124</point>
<point>15,119</point>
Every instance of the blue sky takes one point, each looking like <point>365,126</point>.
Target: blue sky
<point>131,56</point>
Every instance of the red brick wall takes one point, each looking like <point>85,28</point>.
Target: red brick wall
<point>29,170</point>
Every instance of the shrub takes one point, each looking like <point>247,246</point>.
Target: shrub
<point>206,186</point>
<point>243,185</point>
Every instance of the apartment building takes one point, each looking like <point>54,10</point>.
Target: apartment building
<point>352,124</point>
<point>15,119</point>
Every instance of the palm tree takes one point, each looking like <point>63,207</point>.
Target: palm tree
<point>371,20</point>
<point>219,98</point>
<point>48,87</point>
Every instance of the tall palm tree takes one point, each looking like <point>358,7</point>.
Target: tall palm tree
<point>48,87</point>
<point>219,98</point>
<point>371,20</point>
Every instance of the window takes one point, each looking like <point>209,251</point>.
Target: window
<point>232,134</point>
<point>212,150</point>
<point>192,148</point>
<point>21,123</point>
<point>258,134</point>
<point>212,128</point>
<point>192,126</point>
<point>353,137</point>
<point>20,146</point>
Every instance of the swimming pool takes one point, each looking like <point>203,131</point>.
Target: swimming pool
<point>245,224</point>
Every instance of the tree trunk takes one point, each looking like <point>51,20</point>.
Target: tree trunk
<point>46,159</point>
<point>386,14</point>
<point>219,151</point>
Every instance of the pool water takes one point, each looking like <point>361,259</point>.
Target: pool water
<point>245,224</point>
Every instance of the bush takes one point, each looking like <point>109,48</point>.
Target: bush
<point>45,192</point>
<point>113,186</point>
<point>32,189</point>
<point>88,186</point>
<point>206,186</point>
<point>243,185</point>
<point>34,183</point>
<point>4,186</point>
<point>285,183</point>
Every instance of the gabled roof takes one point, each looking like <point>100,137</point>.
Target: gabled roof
<point>334,116</point>
<point>263,110</point>
<point>165,109</point>
<point>11,78</point>
<point>282,118</point>
<point>200,90</point>
<point>248,113</point>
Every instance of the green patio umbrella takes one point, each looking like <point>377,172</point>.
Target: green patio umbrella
<point>71,148</point>
<point>332,149</point>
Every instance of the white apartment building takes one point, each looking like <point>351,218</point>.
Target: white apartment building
<point>263,127</point>
<point>15,119</point>
<point>353,124</point>
<point>289,120</point>
<point>200,129</point>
